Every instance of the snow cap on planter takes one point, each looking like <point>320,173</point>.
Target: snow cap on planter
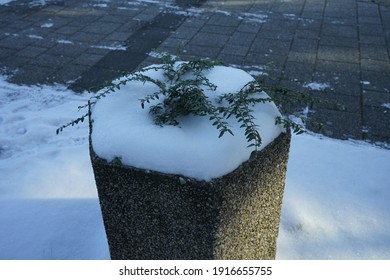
<point>133,124</point>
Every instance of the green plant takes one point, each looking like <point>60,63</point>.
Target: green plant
<point>183,93</point>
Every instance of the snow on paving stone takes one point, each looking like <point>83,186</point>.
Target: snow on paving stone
<point>255,18</point>
<point>317,86</point>
<point>3,2</point>
<point>35,37</point>
<point>112,47</point>
<point>386,105</point>
<point>61,41</point>
<point>335,203</point>
<point>47,25</point>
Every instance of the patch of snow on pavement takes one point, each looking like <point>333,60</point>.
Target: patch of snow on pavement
<point>65,42</point>
<point>4,2</point>
<point>47,25</point>
<point>113,47</point>
<point>257,18</point>
<point>317,86</point>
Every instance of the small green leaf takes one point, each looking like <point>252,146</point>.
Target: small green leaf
<point>117,161</point>
<point>253,154</point>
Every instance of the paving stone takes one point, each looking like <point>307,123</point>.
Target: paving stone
<point>196,51</point>
<point>130,26</point>
<point>315,14</point>
<point>31,51</point>
<point>308,33</point>
<point>375,40</point>
<point>367,9</point>
<point>207,39</point>
<point>92,38</point>
<point>376,121</point>
<point>375,98</point>
<point>87,59</point>
<point>238,50</point>
<point>15,62</point>
<point>376,65</point>
<point>223,20</point>
<point>6,53</point>
<point>261,6</point>
<point>185,32</point>
<point>48,42</point>
<point>231,59</point>
<point>299,71</point>
<point>371,29</point>
<point>282,35</point>
<point>19,24</point>
<point>282,30</point>
<point>195,22</point>
<point>342,77</point>
<point>374,52</point>
<point>118,36</point>
<point>174,43</point>
<point>68,74</point>
<point>148,61</point>
<point>302,57</point>
<point>351,21</point>
<point>32,75</point>
<point>340,30</point>
<point>292,7</point>
<point>101,28</point>
<point>274,63</point>
<point>350,128</point>
<point>48,60</point>
<point>59,21</point>
<point>369,20</point>
<point>260,58</point>
<point>335,53</point>
<point>340,12</point>
<point>141,45</point>
<point>271,46</point>
<point>248,27</point>
<point>309,24</point>
<point>335,101</point>
<point>217,29</point>
<point>241,39</point>
<point>15,42</point>
<point>339,42</point>
<point>95,50</point>
<point>68,30</point>
<point>376,81</point>
<point>116,17</point>
<point>79,21</point>
<point>305,45</point>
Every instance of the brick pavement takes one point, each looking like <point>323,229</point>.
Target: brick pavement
<point>338,50</point>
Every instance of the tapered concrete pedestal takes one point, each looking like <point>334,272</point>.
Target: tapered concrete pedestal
<point>149,215</point>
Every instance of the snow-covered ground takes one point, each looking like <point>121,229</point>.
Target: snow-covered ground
<point>335,204</point>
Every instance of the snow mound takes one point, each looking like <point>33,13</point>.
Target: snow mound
<point>121,128</point>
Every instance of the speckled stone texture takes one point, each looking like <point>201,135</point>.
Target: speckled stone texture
<point>149,215</point>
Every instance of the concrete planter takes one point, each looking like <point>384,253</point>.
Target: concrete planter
<point>150,215</point>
